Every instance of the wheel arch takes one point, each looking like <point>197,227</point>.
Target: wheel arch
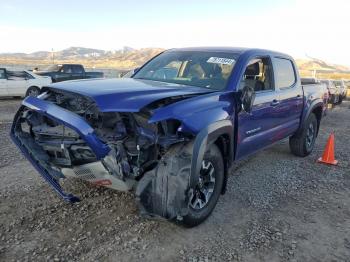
<point>316,107</point>
<point>318,111</point>
<point>219,133</point>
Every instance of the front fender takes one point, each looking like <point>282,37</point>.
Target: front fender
<point>198,112</point>
<point>206,117</point>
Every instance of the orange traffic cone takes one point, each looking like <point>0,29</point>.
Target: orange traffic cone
<point>328,154</point>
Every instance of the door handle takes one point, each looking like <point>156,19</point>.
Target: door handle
<point>274,102</point>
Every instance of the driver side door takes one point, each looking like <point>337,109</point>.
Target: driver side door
<point>260,127</point>
<point>17,83</point>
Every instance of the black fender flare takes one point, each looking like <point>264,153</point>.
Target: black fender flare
<point>206,137</point>
<point>165,190</point>
<point>316,103</point>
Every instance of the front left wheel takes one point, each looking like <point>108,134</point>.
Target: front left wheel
<point>207,192</point>
<point>33,91</point>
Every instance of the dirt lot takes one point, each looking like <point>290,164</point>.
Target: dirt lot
<point>278,207</point>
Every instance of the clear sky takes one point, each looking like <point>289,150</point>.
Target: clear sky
<point>317,28</point>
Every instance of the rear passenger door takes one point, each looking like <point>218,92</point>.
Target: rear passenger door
<point>17,83</point>
<point>290,95</point>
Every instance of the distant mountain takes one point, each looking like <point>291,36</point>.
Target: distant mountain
<point>79,52</point>
<point>320,66</point>
<point>124,58</point>
<point>69,53</point>
<point>127,58</point>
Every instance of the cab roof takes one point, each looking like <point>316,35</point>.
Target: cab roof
<point>236,50</point>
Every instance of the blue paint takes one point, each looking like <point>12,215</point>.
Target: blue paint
<point>126,94</point>
<point>266,124</point>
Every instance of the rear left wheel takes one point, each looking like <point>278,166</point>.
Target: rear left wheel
<point>303,143</point>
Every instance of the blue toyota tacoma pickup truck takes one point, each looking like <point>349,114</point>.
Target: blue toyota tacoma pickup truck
<point>170,132</point>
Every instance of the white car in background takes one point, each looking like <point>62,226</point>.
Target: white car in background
<point>21,83</point>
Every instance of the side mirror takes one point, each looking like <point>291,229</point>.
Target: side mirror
<point>247,98</point>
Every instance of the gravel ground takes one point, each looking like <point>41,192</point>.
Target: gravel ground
<point>278,207</point>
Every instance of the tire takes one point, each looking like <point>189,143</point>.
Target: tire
<point>340,100</point>
<point>302,144</point>
<point>33,91</point>
<point>325,112</point>
<point>197,216</point>
<point>336,100</point>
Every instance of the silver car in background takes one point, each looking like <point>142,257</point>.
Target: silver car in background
<point>342,89</point>
<point>334,91</point>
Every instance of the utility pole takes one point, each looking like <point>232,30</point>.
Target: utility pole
<point>53,56</point>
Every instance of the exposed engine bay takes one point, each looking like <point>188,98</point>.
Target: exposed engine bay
<point>135,148</point>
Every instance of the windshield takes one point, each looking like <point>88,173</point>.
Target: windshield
<point>194,68</point>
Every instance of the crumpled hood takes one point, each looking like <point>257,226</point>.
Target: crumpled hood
<point>126,94</point>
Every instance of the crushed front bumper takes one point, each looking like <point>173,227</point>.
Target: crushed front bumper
<point>28,147</point>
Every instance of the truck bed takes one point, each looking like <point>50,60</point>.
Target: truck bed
<point>316,90</point>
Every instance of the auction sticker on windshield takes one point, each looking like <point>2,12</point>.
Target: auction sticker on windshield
<point>221,60</point>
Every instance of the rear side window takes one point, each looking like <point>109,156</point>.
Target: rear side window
<point>284,73</point>
<point>77,69</point>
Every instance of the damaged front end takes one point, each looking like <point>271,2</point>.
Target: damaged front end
<point>65,135</point>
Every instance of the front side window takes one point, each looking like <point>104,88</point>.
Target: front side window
<point>194,68</point>
<point>284,73</point>
<point>67,69</point>
<point>28,76</point>
<point>258,75</point>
